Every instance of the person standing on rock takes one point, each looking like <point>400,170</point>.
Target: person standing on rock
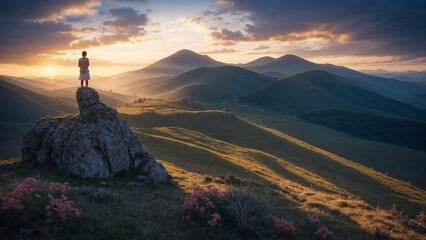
<point>83,64</point>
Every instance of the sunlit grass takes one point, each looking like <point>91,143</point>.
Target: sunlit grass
<point>317,180</point>
<point>200,146</point>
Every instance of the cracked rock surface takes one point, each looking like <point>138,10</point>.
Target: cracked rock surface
<point>93,144</point>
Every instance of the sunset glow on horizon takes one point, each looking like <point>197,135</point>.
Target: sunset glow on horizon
<point>46,39</point>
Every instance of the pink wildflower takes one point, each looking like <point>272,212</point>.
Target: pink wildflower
<point>62,206</point>
<point>284,227</point>
<point>12,199</point>
<point>323,233</point>
<point>215,219</point>
<point>313,219</point>
<point>202,199</point>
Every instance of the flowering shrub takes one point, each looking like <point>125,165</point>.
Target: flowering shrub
<point>313,219</point>
<point>246,212</point>
<point>215,219</point>
<point>62,207</point>
<point>323,233</point>
<point>202,203</point>
<point>202,199</point>
<point>20,190</point>
<point>283,227</point>
<point>29,201</point>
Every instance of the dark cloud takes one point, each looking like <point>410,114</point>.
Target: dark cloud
<point>34,31</point>
<point>228,37</point>
<point>43,9</point>
<point>126,17</point>
<point>138,1</point>
<point>128,24</point>
<point>31,30</point>
<point>22,41</point>
<point>396,27</point>
<point>75,18</point>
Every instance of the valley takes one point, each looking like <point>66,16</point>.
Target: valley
<point>230,126</point>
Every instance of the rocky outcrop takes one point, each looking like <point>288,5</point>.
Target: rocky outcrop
<point>93,144</point>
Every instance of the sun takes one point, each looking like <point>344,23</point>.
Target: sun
<point>49,69</point>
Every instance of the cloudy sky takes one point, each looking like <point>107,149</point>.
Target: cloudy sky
<point>46,37</point>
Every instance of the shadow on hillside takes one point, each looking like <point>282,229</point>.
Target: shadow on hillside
<point>244,134</point>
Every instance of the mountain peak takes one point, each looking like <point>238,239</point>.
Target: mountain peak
<point>292,57</point>
<point>258,61</point>
<point>183,60</point>
<point>185,52</point>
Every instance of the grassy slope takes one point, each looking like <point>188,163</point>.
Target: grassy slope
<point>395,131</point>
<point>21,105</point>
<point>193,143</point>
<point>391,159</point>
<point>319,90</point>
<point>197,140</point>
<point>391,88</point>
<point>224,81</point>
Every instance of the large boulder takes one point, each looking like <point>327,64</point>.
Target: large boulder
<point>93,144</point>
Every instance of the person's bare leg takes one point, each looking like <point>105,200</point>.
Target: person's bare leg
<point>81,83</point>
<point>87,83</point>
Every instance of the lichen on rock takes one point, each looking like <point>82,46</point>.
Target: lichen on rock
<point>93,144</point>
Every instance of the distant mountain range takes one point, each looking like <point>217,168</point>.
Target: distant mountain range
<point>287,65</point>
<point>317,90</point>
<point>257,62</point>
<point>179,62</point>
<point>40,85</point>
<point>209,84</point>
<point>408,76</point>
<point>288,84</point>
<point>26,100</point>
<point>18,104</point>
<point>392,88</point>
<point>176,63</point>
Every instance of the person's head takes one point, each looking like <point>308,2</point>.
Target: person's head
<point>84,53</point>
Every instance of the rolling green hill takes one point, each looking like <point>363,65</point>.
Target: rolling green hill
<point>395,131</point>
<point>270,154</point>
<point>38,85</point>
<point>177,63</point>
<point>319,90</point>
<point>193,143</point>
<point>391,88</point>
<point>197,144</point>
<point>21,105</point>
<point>214,83</point>
<point>397,161</point>
<point>257,62</point>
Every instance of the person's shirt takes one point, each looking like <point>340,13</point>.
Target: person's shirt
<point>83,64</point>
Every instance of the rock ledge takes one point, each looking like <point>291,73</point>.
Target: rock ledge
<point>93,144</point>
